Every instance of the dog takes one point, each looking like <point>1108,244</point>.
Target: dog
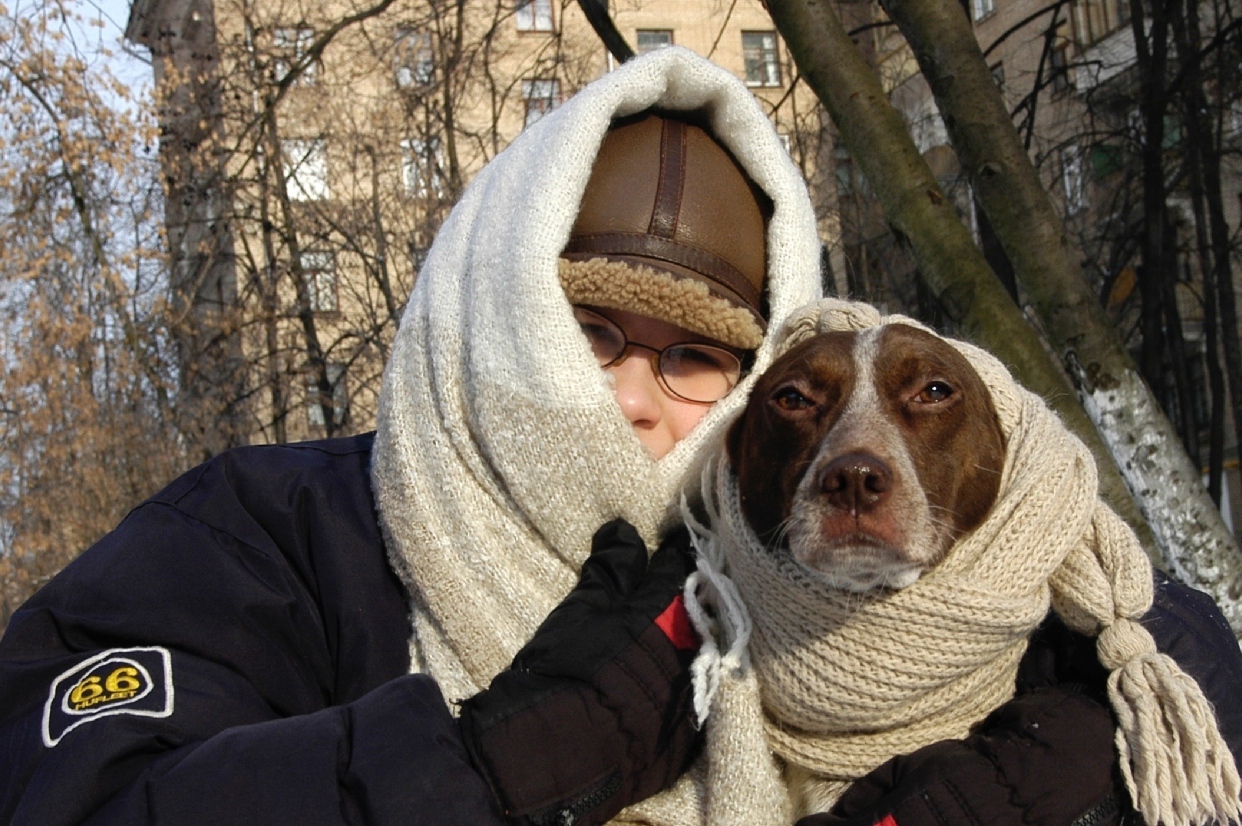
<point>862,461</point>
<point>865,455</point>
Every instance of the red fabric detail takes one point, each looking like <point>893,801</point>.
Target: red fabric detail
<point>675,623</point>
<point>888,820</point>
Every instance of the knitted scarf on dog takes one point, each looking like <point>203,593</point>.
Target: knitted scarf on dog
<point>848,680</point>
<point>500,447</point>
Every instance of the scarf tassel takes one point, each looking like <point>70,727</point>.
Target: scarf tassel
<point>1176,765</point>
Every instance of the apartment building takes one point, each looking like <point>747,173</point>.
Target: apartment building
<point>311,150</point>
<point>1070,75</point>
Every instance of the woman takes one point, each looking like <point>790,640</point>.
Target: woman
<point>240,648</point>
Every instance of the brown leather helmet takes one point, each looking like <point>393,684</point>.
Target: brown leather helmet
<point>671,227</point>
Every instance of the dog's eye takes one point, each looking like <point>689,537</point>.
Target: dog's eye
<point>788,398</point>
<point>935,392</point>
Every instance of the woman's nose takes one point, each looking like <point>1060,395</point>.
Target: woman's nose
<point>638,390</point>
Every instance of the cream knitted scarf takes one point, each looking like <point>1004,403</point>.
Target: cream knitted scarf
<point>500,448</point>
<point>848,681</point>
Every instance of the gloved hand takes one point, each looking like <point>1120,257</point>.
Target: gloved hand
<point>595,712</point>
<point>1045,759</point>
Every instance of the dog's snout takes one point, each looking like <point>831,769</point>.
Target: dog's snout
<point>856,482</point>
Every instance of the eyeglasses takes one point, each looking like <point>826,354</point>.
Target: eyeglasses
<point>692,372</point>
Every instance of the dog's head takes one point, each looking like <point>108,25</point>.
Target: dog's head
<point>866,454</point>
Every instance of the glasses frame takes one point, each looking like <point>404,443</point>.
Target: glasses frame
<point>658,354</point>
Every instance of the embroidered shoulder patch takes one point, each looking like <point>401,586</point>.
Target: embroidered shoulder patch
<point>135,681</point>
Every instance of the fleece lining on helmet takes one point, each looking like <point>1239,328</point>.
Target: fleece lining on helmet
<point>650,292</point>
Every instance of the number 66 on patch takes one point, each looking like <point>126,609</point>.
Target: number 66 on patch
<point>135,681</point>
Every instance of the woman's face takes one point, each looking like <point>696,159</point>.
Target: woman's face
<point>659,418</point>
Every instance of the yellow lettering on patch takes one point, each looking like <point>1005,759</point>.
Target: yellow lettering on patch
<point>120,684</point>
<point>84,692</point>
<point>123,679</point>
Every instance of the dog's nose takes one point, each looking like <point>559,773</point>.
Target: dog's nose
<point>856,482</point>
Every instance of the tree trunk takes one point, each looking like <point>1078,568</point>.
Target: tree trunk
<point>1211,356</point>
<point>1196,545</point>
<point>926,222</point>
<point>1204,145</point>
<point>1152,49</point>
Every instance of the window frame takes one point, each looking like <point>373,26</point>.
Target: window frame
<point>638,40</point>
<point>981,9</point>
<point>337,374</point>
<point>422,167</point>
<point>767,61</point>
<point>1058,67</point>
<point>414,58</point>
<point>1073,179</point>
<point>552,100</point>
<point>290,45</point>
<point>319,274</point>
<point>534,16</point>
<point>1095,20</point>
<point>306,178</point>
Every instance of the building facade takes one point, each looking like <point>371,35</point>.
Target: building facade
<point>311,151</point>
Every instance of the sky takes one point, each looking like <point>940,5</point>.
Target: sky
<point>128,62</point>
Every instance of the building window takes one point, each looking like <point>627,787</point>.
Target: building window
<point>292,45</point>
<point>1235,116</point>
<point>306,169</point>
<point>541,97</point>
<point>340,400</point>
<point>980,9</point>
<point>1072,180</point>
<point>759,53</point>
<point>414,61</point>
<point>422,167</point>
<point>998,76</point>
<point>1059,67</point>
<point>534,15</point>
<point>1096,19</point>
<point>844,170</point>
<point>648,40</point>
<point>417,250</point>
<point>319,270</point>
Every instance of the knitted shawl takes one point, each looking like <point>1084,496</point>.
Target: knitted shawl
<point>836,683</point>
<point>500,447</point>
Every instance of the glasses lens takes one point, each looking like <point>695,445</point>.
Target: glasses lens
<point>607,340</point>
<point>699,372</point>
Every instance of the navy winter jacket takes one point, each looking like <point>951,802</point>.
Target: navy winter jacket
<point>254,601</point>
<point>236,651</point>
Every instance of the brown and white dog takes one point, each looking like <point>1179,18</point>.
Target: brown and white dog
<point>866,454</point>
<point>863,461</point>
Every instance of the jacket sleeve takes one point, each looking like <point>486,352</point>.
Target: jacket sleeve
<point>1188,626</point>
<point>185,670</point>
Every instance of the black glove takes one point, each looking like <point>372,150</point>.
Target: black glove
<point>595,712</point>
<point>1045,758</point>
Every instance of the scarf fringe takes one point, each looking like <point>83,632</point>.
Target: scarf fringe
<point>715,607</point>
<point>1176,765</point>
